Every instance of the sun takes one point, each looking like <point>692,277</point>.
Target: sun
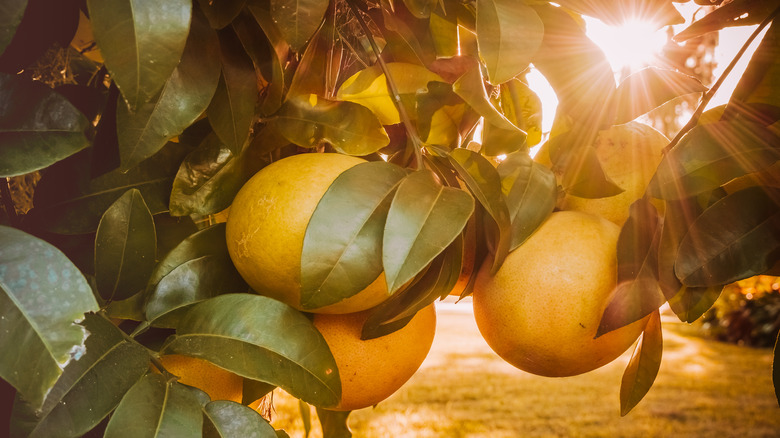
<point>632,45</point>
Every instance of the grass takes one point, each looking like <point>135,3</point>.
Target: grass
<point>704,388</point>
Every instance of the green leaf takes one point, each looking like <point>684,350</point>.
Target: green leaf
<point>209,178</point>
<point>68,201</point>
<point>443,26</point>
<point>191,282</point>
<point>637,293</point>
<point>261,339</point>
<point>421,8</point>
<point>531,192</point>
<point>89,388</point>
<point>184,97</point>
<point>690,303</point>
<point>221,13</point>
<point>351,128</point>
<point>368,87</point>
<point>266,46</point>
<point>583,175</point>
<point>10,17</point>
<point>334,423</point>
<point>305,411</point>
<point>485,183</point>
<point>232,110</point>
<point>650,88</point>
<point>298,20</point>
<point>254,390</point>
<point>499,141</point>
<point>436,282</point>
<point>424,218</point>
<point>734,13</point>
<point>342,247</point>
<point>471,88</point>
<point>735,238</point>
<point>576,68</point>
<point>317,72</point>
<point>207,242</point>
<point>617,13</point>
<point>523,107</point>
<point>141,42</point>
<point>228,419</point>
<point>125,247</point>
<point>439,114</point>
<point>643,367</point>
<point>776,369</point>
<point>38,126</point>
<point>712,155</point>
<point>758,83</point>
<point>42,294</point>
<point>155,408</point>
<point>508,33</point>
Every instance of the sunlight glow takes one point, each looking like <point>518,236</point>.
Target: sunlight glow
<point>632,45</point>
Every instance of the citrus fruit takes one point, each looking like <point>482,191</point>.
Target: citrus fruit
<point>541,310</point>
<point>218,383</point>
<point>629,155</point>
<point>371,370</point>
<point>267,224</point>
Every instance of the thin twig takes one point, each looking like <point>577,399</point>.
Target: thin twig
<point>411,132</point>
<point>694,120</point>
<point>8,202</point>
<point>130,338</point>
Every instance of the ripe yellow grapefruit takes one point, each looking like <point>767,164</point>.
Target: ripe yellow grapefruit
<point>629,155</point>
<point>218,383</point>
<point>267,224</point>
<point>541,310</point>
<point>372,370</point>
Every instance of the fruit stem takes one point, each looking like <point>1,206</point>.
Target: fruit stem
<point>411,132</point>
<point>694,120</point>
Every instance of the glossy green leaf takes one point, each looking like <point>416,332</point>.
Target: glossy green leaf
<point>712,155</point>
<point>435,282</point>
<point>576,68</point>
<point>207,242</point>
<point>89,388</point>
<point>508,33</point>
<point>369,88</point>
<point>261,339</point>
<point>443,26</point>
<point>228,419</point>
<point>484,182</point>
<point>42,294</point>
<point>191,282</point>
<point>439,114</point>
<point>298,20</point>
<point>184,97</point>
<point>141,42</point>
<point>171,231</point>
<point>424,218</point>
<point>643,367</point>
<point>421,8</point>
<point>498,141</point>
<point>131,308</point>
<point>530,190</point>
<point>125,247</point>
<point>735,238</point>
<point>156,408</point>
<point>318,69</point>
<point>734,13</point>
<point>305,411</point>
<point>209,178</point>
<point>334,423</point>
<point>637,293</point>
<point>471,88</point>
<point>650,88</point>
<point>68,201</point>
<point>221,13</point>
<point>342,247</point>
<point>232,110</point>
<point>350,128</point>
<point>583,175</point>
<point>253,390</point>
<point>523,107</point>
<point>266,46</point>
<point>38,126</point>
<point>691,303</point>
<point>11,13</point>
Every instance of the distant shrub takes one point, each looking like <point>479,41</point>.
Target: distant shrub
<point>747,312</point>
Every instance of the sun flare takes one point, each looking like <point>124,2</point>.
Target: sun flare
<point>632,45</point>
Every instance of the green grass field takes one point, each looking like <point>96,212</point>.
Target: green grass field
<point>704,388</point>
